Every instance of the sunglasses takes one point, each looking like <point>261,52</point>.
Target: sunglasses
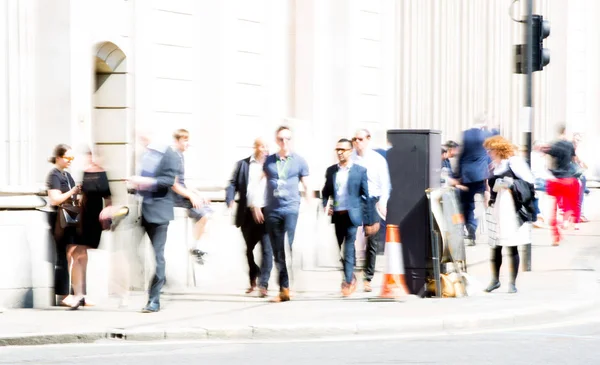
<point>68,158</point>
<point>281,139</point>
<point>343,149</point>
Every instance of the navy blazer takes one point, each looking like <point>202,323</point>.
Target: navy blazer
<point>473,162</point>
<point>157,206</point>
<point>361,207</point>
<point>239,183</point>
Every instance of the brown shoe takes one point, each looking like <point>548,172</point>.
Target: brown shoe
<point>367,286</point>
<point>252,286</point>
<point>284,296</point>
<point>345,289</point>
<point>262,292</point>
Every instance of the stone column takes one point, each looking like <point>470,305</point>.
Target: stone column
<point>16,91</point>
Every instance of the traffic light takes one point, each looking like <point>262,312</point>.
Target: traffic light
<point>540,55</point>
<point>539,32</point>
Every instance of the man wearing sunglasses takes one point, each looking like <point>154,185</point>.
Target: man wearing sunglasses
<point>284,171</point>
<point>346,183</point>
<point>380,187</point>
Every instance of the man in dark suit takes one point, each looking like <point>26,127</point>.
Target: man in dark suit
<point>473,166</point>
<point>346,183</point>
<point>160,165</point>
<point>249,182</point>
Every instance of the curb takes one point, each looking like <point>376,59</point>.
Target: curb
<point>311,330</point>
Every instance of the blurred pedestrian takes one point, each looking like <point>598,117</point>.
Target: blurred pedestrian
<point>473,171</point>
<point>284,171</point>
<point>451,148</point>
<point>542,175</point>
<point>511,205</point>
<point>380,186</point>
<point>347,184</point>
<point>96,196</point>
<point>62,194</point>
<point>564,187</point>
<point>248,180</point>
<point>198,208</point>
<point>159,169</point>
<point>581,168</point>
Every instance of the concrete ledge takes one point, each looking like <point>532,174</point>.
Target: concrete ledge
<point>314,330</point>
<point>395,326</point>
<point>305,330</point>
<point>136,335</point>
<point>51,338</point>
<point>230,333</point>
<point>186,334</point>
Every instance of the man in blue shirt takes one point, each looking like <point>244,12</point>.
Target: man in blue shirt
<point>284,171</point>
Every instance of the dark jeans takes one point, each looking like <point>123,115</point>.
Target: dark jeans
<point>467,200</point>
<point>536,209</point>
<point>583,181</point>
<point>278,224</point>
<point>158,237</point>
<point>253,233</point>
<point>373,242</point>
<point>346,231</point>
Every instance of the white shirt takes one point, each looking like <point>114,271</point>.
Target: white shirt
<point>257,184</point>
<point>538,166</point>
<point>378,174</point>
<point>518,166</point>
<point>341,188</point>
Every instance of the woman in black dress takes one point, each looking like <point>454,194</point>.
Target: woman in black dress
<point>96,196</point>
<point>63,190</point>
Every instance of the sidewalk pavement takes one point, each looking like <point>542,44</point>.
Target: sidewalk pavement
<point>562,283</point>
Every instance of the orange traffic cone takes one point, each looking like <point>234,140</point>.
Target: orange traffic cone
<point>394,283</point>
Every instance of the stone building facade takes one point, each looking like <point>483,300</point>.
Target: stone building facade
<point>92,72</point>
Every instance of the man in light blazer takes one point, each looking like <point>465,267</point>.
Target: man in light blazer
<point>249,182</point>
<point>347,184</point>
<point>160,165</point>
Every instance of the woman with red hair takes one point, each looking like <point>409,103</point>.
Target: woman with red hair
<point>510,207</point>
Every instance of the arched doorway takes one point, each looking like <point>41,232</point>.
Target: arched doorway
<point>111,126</point>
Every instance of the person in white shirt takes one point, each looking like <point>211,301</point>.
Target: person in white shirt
<point>378,176</point>
<point>248,180</point>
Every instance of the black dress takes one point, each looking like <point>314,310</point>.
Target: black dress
<point>95,189</point>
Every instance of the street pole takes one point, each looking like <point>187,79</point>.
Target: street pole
<point>527,114</point>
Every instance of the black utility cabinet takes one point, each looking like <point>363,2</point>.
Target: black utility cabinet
<point>415,164</point>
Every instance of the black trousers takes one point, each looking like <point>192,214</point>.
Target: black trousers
<point>253,233</point>
<point>373,243</point>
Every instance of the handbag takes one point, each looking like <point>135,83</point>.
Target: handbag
<point>453,285</point>
<point>69,214</point>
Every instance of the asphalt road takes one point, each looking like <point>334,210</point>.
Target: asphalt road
<point>575,342</point>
